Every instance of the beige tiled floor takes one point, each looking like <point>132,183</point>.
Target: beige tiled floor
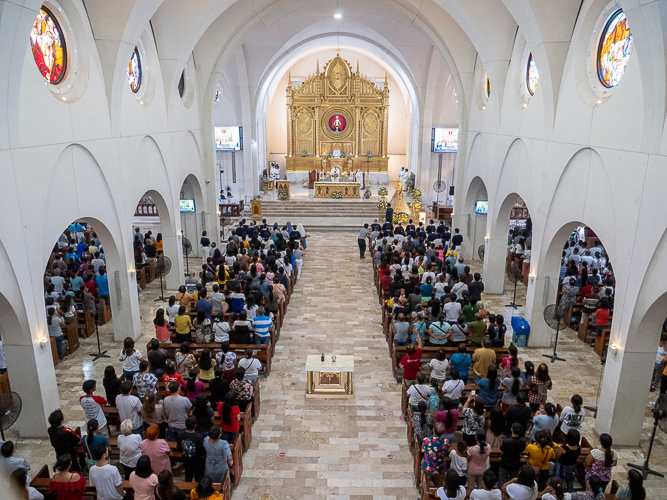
<point>336,449</point>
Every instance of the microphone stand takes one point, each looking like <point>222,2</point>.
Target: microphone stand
<point>594,409</point>
<point>100,352</point>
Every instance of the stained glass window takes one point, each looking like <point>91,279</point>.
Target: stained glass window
<point>532,76</point>
<point>48,47</point>
<point>134,71</point>
<point>487,86</point>
<point>181,85</point>
<point>615,49</point>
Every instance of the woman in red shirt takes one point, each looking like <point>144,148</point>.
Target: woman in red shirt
<point>161,327</point>
<point>65,484</point>
<point>411,363</point>
<point>602,317</point>
<point>230,414</point>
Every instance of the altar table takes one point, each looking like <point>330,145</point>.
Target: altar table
<point>329,379</point>
<point>348,189</point>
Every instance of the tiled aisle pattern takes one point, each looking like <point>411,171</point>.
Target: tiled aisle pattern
<point>336,449</point>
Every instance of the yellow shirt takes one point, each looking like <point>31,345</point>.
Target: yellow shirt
<point>215,496</point>
<point>207,374</point>
<point>539,457</point>
<point>183,323</point>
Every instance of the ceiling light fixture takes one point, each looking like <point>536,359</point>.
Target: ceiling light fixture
<point>338,15</point>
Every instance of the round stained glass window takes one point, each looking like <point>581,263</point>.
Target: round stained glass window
<point>48,47</point>
<point>532,75</point>
<point>614,50</point>
<point>134,71</point>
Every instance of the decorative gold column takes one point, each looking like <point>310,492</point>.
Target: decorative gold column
<point>317,131</point>
<point>385,126</point>
<point>349,388</point>
<point>310,384</point>
<point>290,141</point>
<point>357,144</point>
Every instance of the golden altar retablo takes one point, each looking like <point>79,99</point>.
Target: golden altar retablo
<point>336,115</point>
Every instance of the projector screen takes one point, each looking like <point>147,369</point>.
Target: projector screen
<point>445,140</point>
<point>228,138</point>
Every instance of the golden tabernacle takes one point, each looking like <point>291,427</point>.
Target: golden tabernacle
<point>337,117</point>
<point>331,378</point>
<point>347,189</point>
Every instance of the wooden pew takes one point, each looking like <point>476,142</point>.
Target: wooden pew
<point>41,483</point>
<point>71,334</point>
<point>429,352</point>
<point>262,352</point>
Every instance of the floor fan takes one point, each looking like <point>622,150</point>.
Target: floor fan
<point>439,186</point>
<point>514,275</point>
<point>480,252</point>
<point>162,269</point>
<point>187,250</point>
<point>10,409</point>
<point>554,318</point>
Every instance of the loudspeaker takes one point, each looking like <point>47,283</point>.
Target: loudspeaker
<point>451,190</point>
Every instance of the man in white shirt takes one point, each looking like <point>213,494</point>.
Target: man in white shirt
<point>335,174</point>
<point>97,262</point>
<point>58,281</point>
<point>129,407</point>
<point>105,477</point>
<point>452,310</point>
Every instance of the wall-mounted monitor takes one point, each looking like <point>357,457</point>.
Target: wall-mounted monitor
<point>482,207</point>
<point>228,138</point>
<point>187,205</point>
<point>445,140</point>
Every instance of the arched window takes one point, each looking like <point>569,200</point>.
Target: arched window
<point>181,85</point>
<point>532,76</point>
<point>614,49</point>
<point>48,47</point>
<point>134,71</point>
<point>487,86</point>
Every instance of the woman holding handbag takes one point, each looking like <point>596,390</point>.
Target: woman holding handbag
<point>539,456</point>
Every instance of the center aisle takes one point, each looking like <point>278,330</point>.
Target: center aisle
<point>333,449</point>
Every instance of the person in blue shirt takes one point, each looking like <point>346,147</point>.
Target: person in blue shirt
<point>203,304</point>
<point>73,255</point>
<point>103,284</point>
<point>91,440</point>
<point>80,248</point>
<point>460,362</point>
<point>488,387</point>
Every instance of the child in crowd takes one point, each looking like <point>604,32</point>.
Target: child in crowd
<point>459,461</point>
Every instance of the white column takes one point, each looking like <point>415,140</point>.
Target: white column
<point>622,407</point>
<point>495,254</point>
<point>537,299</point>
<point>32,376</point>
<point>124,305</point>
<point>174,250</point>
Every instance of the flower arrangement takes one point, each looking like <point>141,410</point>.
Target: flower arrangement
<point>401,217</point>
<point>383,191</point>
<point>304,153</point>
<point>416,192</point>
<point>282,196</point>
<point>369,154</point>
<point>367,194</point>
<point>264,179</point>
<point>330,154</point>
<point>337,195</point>
<point>416,205</point>
<point>343,154</point>
<point>408,182</point>
<point>382,204</point>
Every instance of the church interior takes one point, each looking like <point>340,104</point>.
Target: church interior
<point>277,221</point>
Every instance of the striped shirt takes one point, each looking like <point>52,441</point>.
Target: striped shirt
<point>262,324</point>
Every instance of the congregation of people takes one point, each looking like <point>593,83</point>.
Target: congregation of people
<point>187,399</point>
<point>468,397</point>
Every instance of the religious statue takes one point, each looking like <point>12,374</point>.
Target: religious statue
<point>335,174</point>
<point>359,177</point>
<point>337,124</point>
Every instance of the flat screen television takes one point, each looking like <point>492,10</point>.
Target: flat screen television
<point>445,140</point>
<point>482,207</point>
<point>228,138</point>
<point>187,205</point>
